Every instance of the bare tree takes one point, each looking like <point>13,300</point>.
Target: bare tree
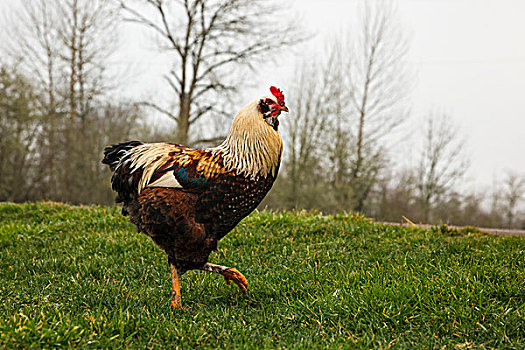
<point>87,33</point>
<point>209,41</point>
<point>65,45</point>
<point>376,81</point>
<point>33,40</point>
<point>19,122</point>
<point>512,196</point>
<point>345,109</point>
<point>393,196</point>
<point>303,177</point>
<point>442,162</point>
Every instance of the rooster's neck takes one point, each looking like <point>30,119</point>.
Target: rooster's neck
<point>252,148</point>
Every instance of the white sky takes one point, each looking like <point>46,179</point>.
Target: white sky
<point>468,55</point>
<point>469,58</point>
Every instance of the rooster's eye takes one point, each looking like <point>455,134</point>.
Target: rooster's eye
<point>263,106</point>
<point>269,101</point>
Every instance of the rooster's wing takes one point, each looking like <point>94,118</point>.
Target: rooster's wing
<point>165,165</point>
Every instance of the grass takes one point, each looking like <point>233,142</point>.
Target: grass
<point>82,277</point>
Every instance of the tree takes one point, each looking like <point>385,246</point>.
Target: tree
<point>87,33</point>
<point>393,197</point>
<point>19,123</point>
<point>344,109</point>
<point>442,162</point>
<point>33,41</point>
<point>512,196</point>
<point>108,123</point>
<point>208,42</point>
<point>376,87</point>
<point>303,179</point>
<point>65,45</point>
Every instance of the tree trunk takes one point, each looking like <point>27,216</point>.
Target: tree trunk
<point>183,121</point>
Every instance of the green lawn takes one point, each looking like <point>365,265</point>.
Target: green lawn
<point>82,276</point>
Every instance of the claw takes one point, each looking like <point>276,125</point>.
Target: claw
<point>232,274</point>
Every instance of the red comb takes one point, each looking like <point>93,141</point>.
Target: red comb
<point>278,94</point>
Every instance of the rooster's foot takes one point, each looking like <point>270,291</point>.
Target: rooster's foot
<point>229,273</point>
<point>232,274</point>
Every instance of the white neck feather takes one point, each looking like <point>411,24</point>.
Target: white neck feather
<point>252,147</point>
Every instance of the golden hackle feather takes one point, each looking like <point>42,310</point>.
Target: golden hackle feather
<point>252,147</point>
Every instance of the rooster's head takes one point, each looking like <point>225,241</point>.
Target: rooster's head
<point>271,107</point>
<point>254,146</point>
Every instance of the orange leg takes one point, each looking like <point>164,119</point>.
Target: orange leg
<point>175,288</point>
<point>229,273</point>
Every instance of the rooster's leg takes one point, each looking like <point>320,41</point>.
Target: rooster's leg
<point>175,287</point>
<point>229,273</point>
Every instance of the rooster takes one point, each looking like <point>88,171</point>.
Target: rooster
<point>187,199</point>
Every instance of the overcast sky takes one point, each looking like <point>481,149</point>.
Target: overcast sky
<point>468,56</point>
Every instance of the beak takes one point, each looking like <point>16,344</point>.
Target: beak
<point>283,108</point>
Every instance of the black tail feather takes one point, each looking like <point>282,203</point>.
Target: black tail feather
<point>113,154</point>
<point>122,180</point>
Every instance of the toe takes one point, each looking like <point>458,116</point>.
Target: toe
<point>237,277</point>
